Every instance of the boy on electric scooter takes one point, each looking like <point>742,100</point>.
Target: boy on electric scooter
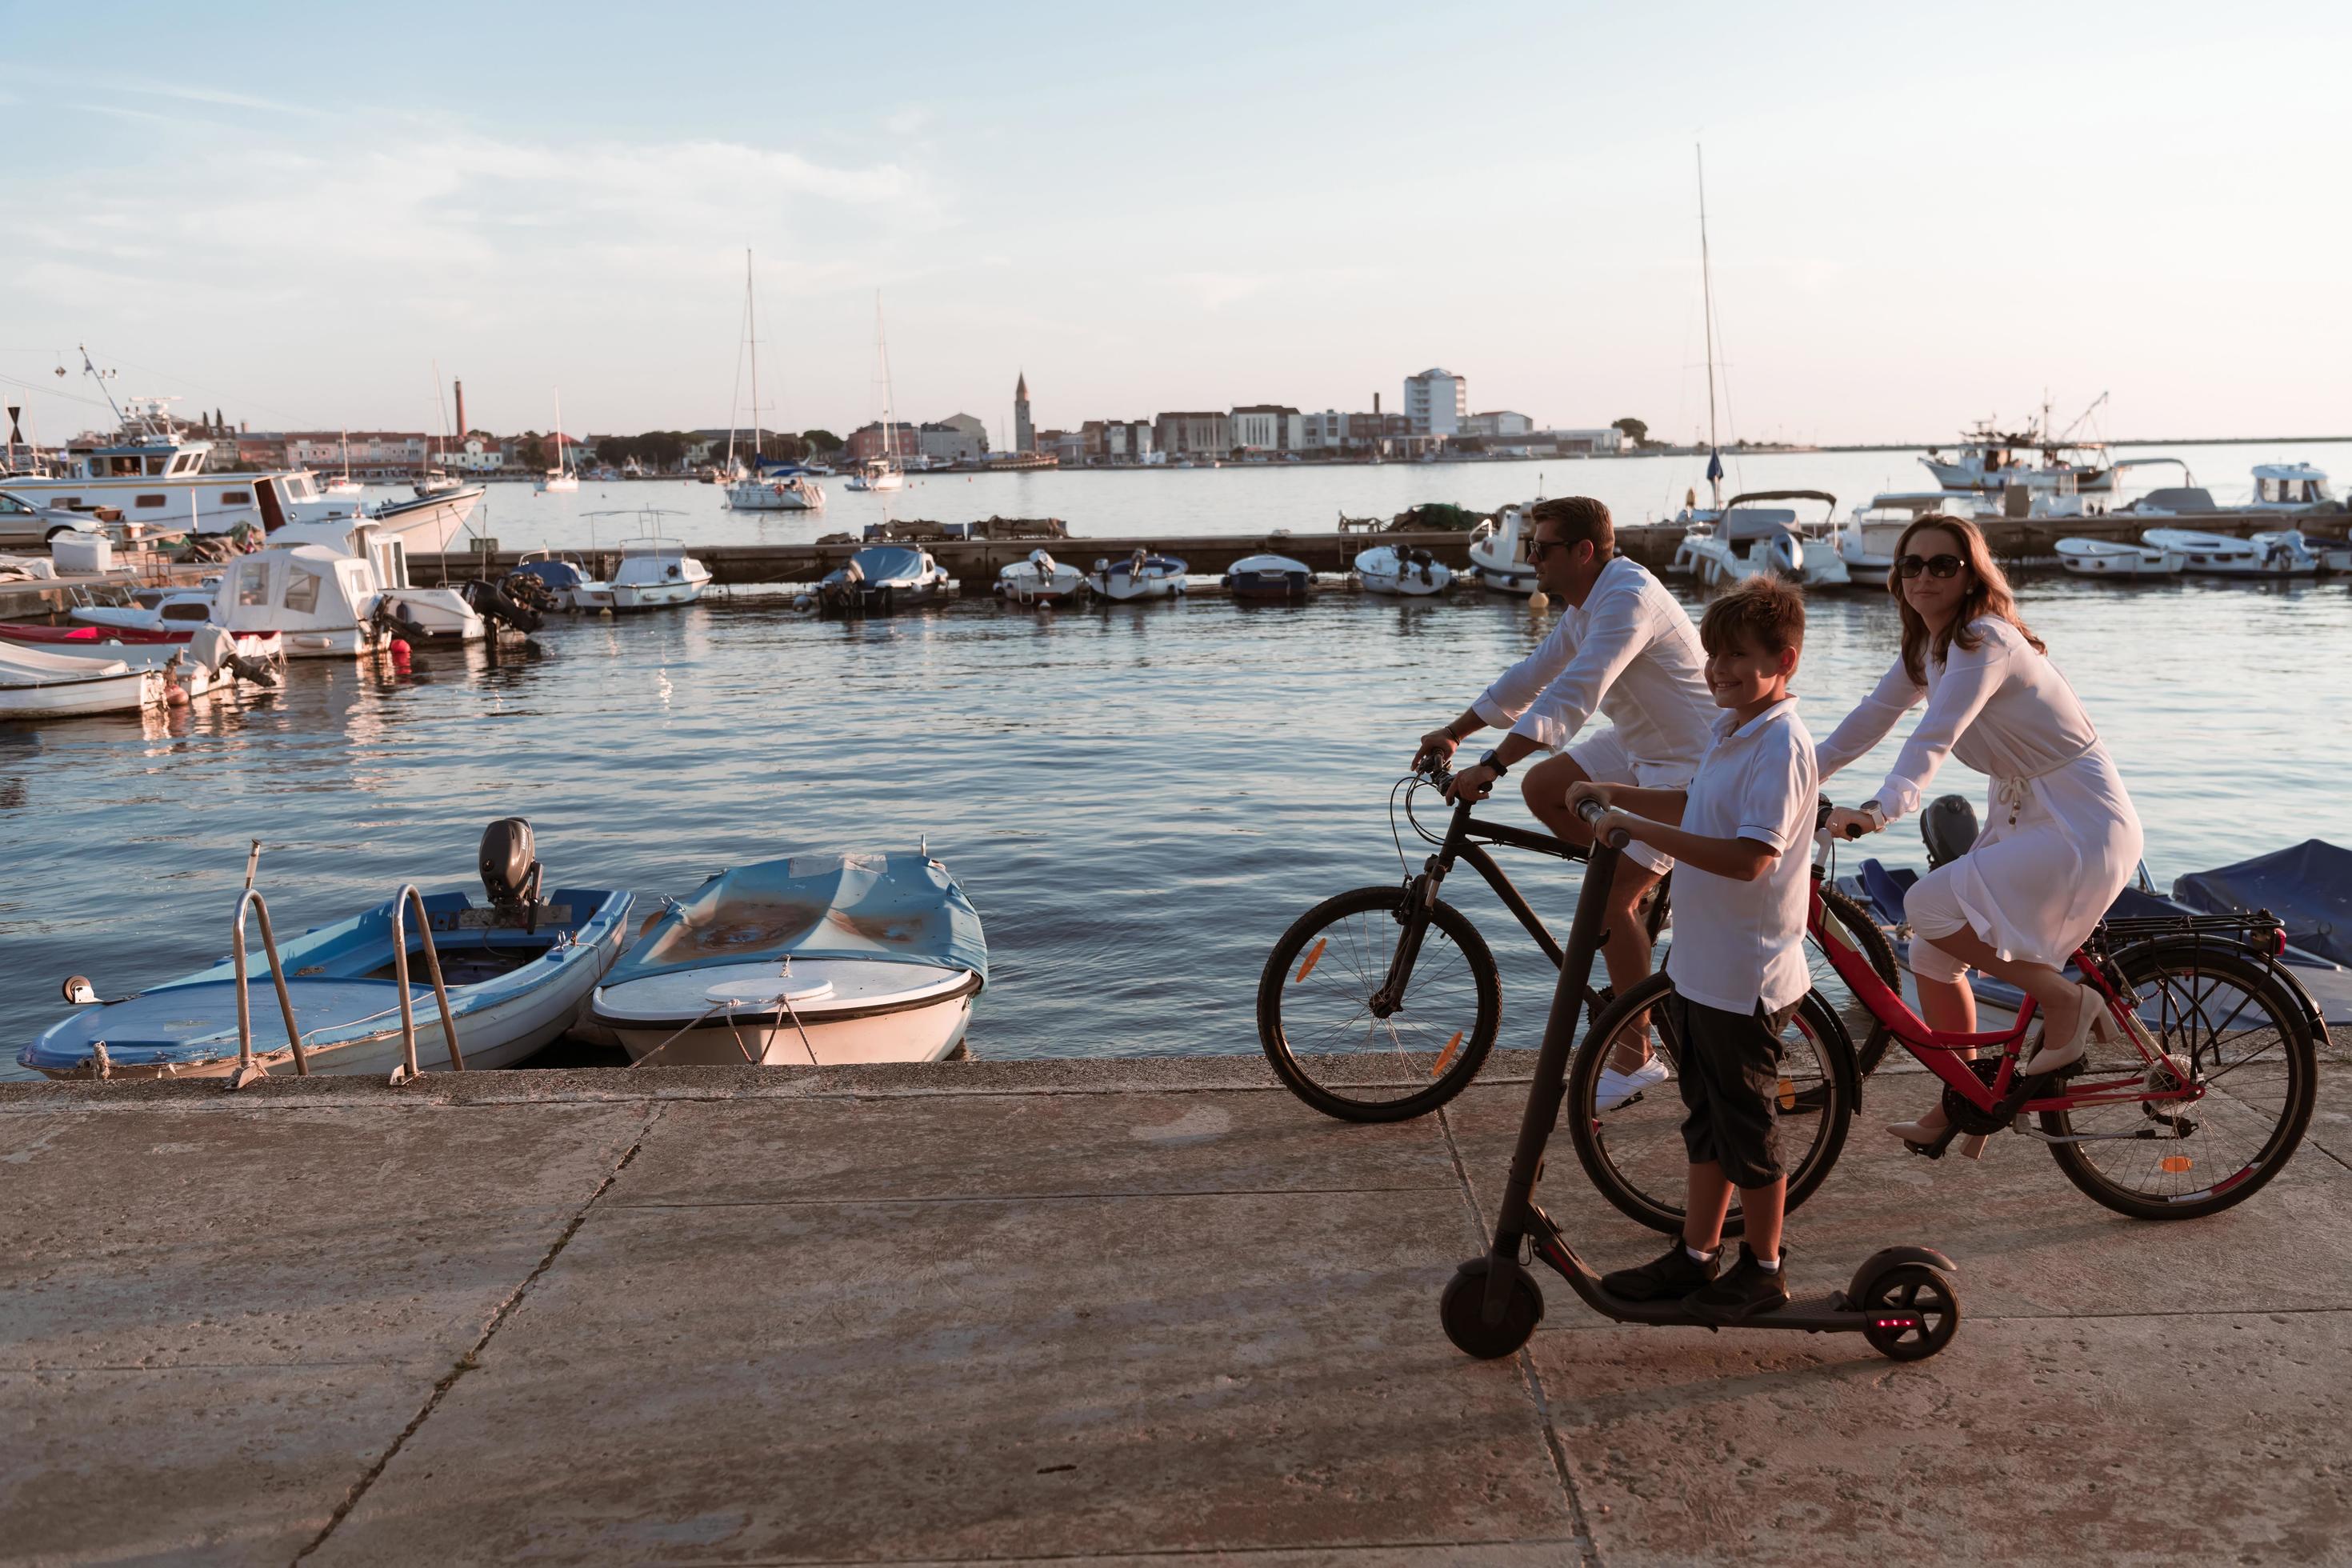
<point>1740,836</point>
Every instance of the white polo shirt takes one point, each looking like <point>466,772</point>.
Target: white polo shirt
<point>1740,944</point>
<point>1630,652</point>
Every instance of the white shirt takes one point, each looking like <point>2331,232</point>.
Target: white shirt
<point>1628,651</point>
<point>1739,945</point>
<point>2001,706</point>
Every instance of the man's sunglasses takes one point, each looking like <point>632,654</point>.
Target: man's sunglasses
<point>1540,548</point>
<point>1934,565</point>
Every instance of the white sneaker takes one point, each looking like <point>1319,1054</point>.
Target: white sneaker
<point>1617,1088</point>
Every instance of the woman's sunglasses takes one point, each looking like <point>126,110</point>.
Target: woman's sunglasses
<point>1934,565</point>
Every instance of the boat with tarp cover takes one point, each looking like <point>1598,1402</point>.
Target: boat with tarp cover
<point>809,960</point>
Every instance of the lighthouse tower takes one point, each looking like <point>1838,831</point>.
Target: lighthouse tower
<point>1024,433</point>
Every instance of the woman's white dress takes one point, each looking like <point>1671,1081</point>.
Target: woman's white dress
<point>2060,840</point>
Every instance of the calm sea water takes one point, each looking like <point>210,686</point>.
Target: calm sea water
<point>1138,798</point>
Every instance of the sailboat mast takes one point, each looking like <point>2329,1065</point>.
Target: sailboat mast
<point>751,341</point>
<point>1707,295</point>
<point>882,353</point>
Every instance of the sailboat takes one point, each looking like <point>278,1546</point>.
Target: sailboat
<point>769,485</point>
<point>1723,544</point>
<point>885,472</point>
<point>434,481</point>
<point>560,477</point>
<point>346,485</point>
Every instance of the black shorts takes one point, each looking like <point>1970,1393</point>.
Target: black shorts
<point>1730,1078</point>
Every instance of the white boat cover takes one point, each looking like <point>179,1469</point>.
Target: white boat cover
<point>894,908</point>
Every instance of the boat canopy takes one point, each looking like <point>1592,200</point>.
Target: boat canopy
<point>893,908</point>
<point>888,563</point>
<point>2308,885</point>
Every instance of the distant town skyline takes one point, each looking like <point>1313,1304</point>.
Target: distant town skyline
<point>1915,224</point>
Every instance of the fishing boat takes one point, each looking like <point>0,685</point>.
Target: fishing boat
<point>656,572</point>
<point>880,579</point>
<point>2218,554</point>
<point>516,968</point>
<point>1990,458</point>
<point>1268,579</point>
<point>1410,573</point>
<point>2118,558</point>
<point>38,683</point>
<point>1037,579</point>
<point>1744,539</point>
<point>1498,553</point>
<point>814,960</point>
<point>1142,575</point>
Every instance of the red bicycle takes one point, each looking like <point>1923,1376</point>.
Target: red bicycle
<point>2203,1102</point>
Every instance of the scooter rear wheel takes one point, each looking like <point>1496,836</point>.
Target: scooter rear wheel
<point>1912,1288</point>
<point>1462,1309</point>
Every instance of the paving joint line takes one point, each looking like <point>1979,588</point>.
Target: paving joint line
<point>1028,1197</point>
<point>472,1358</point>
<point>1171,1554</point>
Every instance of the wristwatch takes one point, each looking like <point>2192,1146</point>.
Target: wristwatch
<point>1871,809</point>
<point>1494,760</point>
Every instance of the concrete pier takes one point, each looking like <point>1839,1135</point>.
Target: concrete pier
<point>1148,1311</point>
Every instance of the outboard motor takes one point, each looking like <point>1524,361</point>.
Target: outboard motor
<point>1949,829</point>
<point>509,872</point>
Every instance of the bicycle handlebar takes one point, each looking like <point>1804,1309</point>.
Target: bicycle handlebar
<point>1590,812</point>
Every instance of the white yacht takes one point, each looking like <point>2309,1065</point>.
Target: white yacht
<point>561,479</point>
<point>1498,553</point>
<point>1867,540</point>
<point>338,588</point>
<point>769,487</point>
<point>885,472</point>
<point>2291,487</point>
<point>1744,540</point>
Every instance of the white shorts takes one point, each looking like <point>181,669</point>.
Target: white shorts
<point>1604,760</point>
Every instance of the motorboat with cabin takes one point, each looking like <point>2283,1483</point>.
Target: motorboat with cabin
<point>1409,574</point>
<point>2292,486</point>
<point>1746,538</point>
<point>1269,579</point>
<point>2218,554</point>
<point>341,588</point>
<point>1499,562</point>
<point>1990,458</point>
<point>2119,558</point>
<point>569,579</point>
<point>810,959</point>
<point>1037,579</point>
<point>517,969</point>
<point>879,579</point>
<point>1867,539</point>
<point>1142,575</point>
<point>656,572</point>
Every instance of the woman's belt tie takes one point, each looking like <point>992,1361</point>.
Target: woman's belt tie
<point>2013,791</point>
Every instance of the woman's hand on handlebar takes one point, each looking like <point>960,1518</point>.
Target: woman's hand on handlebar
<point>1474,783</point>
<point>1437,749</point>
<point>1844,824</point>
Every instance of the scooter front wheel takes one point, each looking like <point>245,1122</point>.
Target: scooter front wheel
<point>1462,1309</point>
<point>1912,1289</point>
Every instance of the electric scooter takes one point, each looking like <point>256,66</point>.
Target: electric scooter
<point>1902,1300</point>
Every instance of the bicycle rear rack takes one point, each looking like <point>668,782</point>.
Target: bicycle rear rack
<point>248,1067</point>
<point>407,1071</point>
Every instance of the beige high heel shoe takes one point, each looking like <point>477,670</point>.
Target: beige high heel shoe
<point>1928,1137</point>
<point>2091,1020</point>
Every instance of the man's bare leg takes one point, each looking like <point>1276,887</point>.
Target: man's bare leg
<point>1627,951</point>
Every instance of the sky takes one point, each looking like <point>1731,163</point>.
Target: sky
<point>1919,215</point>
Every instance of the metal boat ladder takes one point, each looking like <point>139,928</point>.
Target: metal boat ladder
<point>407,1071</point>
<point>248,1069</point>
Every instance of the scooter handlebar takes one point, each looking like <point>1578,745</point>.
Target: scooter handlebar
<point>1590,812</point>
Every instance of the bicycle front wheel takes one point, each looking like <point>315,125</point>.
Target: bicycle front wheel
<point>1349,1057</point>
<point>2225,1022</point>
<point>1635,1151</point>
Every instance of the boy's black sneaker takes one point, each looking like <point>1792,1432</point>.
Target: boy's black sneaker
<point>1675,1274</point>
<point>1744,1292</point>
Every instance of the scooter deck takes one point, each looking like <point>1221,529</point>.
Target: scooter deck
<point>1828,1313</point>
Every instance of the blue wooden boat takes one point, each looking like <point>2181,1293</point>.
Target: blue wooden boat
<point>1268,579</point>
<point>518,970</point>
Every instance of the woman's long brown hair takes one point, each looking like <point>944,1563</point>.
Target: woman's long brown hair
<point>1988,594</point>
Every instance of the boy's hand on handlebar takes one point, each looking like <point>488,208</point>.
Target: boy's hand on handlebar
<point>1584,790</point>
<point>1472,783</point>
<point>1437,748</point>
<point>1844,824</point>
<point>1614,822</point>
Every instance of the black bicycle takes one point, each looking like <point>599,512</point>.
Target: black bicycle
<point>1382,1004</point>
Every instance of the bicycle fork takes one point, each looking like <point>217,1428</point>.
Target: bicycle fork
<point>1421,896</point>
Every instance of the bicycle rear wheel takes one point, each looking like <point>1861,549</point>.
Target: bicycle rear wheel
<point>1869,1037</point>
<point>1316,1017</point>
<point>2230,1024</point>
<point>1634,1153</point>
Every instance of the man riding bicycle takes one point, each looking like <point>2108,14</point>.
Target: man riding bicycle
<point>1623,647</point>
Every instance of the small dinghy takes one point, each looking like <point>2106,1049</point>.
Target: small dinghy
<point>209,661</point>
<point>1414,574</point>
<point>1039,579</point>
<point>1142,575</point>
<point>811,960</point>
<point>2219,555</point>
<point>1268,579</point>
<point>2118,558</point>
<point>567,580</point>
<point>151,610</point>
<point>515,970</point>
<point>35,683</point>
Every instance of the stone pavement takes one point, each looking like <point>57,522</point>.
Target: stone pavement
<point>1082,1313</point>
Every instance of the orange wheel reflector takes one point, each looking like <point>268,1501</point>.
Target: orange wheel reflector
<point>1788,1095</point>
<point>1447,1056</point>
<point>1314,957</point>
<point>2174,1164</point>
